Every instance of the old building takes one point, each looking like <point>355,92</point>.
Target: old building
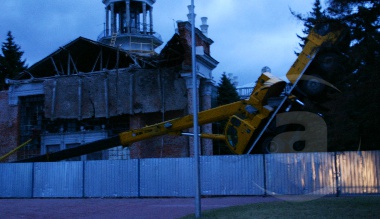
<point>89,90</point>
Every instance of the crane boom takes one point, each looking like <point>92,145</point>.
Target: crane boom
<point>245,118</point>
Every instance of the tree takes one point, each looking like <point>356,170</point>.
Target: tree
<point>317,15</point>
<point>226,91</point>
<point>363,18</point>
<point>362,84</point>
<point>226,94</point>
<point>10,60</point>
<point>354,114</point>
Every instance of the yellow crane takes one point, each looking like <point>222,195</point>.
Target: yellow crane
<point>247,119</point>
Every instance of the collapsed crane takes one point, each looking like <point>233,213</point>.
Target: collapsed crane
<point>248,120</point>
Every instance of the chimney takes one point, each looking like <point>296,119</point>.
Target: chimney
<point>176,27</point>
<point>191,10</point>
<point>204,26</point>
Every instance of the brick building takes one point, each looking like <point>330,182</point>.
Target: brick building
<point>89,90</point>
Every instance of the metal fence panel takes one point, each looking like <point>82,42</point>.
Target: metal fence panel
<point>58,179</point>
<point>232,175</point>
<point>360,172</point>
<point>288,174</point>
<point>112,178</point>
<point>300,174</point>
<point>167,177</point>
<point>16,180</point>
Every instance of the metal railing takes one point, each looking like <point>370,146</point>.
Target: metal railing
<point>244,92</point>
<point>104,34</point>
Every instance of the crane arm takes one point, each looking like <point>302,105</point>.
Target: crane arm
<point>245,116</point>
<point>253,110</point>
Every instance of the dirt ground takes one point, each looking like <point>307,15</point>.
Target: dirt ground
<point>116,208</point>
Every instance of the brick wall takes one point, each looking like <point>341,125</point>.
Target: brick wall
<point>162,146</point>
<point>9,130</point>
<point>184,31</point>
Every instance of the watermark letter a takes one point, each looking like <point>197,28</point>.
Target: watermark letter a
<point>313,137</point>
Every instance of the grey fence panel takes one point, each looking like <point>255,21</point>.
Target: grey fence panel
<point>300,174</point>
<point>16,180</point>
<point>359,172</point>
<point>58,179</point>
<point>113,178</point>
<point>167,177</point>
<point>232,175</point>
<point>272,174</point>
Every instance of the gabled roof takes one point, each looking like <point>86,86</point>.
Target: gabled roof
<point>81,55</point>
<point>173,52</point>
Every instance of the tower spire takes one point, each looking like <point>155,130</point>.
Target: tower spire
<point>127,26</point>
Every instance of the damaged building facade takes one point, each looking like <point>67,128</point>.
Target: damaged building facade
<point>90,90</point>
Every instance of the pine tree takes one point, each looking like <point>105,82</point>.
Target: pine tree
<point>226,91</point>
<point>363,18</point>
<point>354,114</point>
<point>226,94</point>
<point>362,88</point>
<point>317,15</point>
<point>10,60</point>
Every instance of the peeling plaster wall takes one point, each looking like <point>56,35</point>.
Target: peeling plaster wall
<point>112,93</point>
<point>162,146</point>
<point>8,126</point>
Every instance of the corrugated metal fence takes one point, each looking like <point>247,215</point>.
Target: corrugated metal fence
<point>272,174</point>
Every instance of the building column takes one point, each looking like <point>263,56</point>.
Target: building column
<point>138,22</point>
<point>206,92</point>
<point>127,15</point>
<point>107,27</point>
<point>189,86</point>
<point>144,17</point>
<point>113,18</point>
<point>151,20</point>
<point>121,19</point>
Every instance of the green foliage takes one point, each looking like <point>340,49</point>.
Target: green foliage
<point>361,90</point>
<point>363,18</point>
<point>226,94</point>
<point>10,60</point>
<point>354,114</point>
<point>226,91</point>
<point>317,15</point>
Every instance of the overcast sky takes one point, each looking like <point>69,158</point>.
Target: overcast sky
<point>247,34</point>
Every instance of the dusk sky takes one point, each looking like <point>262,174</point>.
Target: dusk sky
<point>247,34</point>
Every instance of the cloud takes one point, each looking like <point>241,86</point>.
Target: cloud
<point>247,34</point>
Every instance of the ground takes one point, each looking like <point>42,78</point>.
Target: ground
<point>144,208</point>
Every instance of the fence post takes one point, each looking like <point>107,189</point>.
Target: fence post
<point>83,178</point>
<point>265,175</point>
<point>138,178</point>
<point>33,170</point>
<point>337,173</point>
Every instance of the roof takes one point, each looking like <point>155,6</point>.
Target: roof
<point>81,55</point>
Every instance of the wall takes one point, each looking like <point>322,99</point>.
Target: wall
<point>113,93</point>
<point>303,174</point>
<point>162,146</point>
<point>8,126</point>
<point>184,30</point>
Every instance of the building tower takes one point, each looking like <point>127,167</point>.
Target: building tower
<point>127,26</point>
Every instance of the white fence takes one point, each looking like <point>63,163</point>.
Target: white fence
<point>271,174</point>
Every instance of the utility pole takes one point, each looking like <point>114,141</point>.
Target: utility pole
<point>195,117</point>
